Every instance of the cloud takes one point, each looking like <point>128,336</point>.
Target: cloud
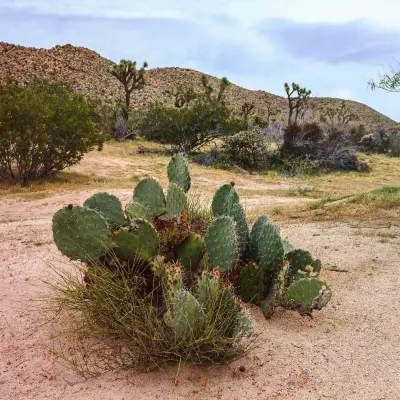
<point>333,43</point>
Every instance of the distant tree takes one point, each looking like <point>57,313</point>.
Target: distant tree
<point>130,77</point>
<point>341,115</point>
<point>298,98</point>
<point>208,89</point>
<point>183,95</point>
<point>389,82</point>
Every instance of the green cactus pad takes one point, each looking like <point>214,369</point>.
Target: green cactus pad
<point>275,292</point>
<point>109,206</point>
<point>243,324</point>
<point>139,243</point>
<point>302,263</point>
<point>242,229</point>
<point>176,201</point>
<point>250,286</point>
<point>307,294</point>
<point>255,235</point>
<point>270,250</point>
<point>187,319</point>
<point>207,290</point>
<point>178,172</point>
<point>149,193</point>
<point>225,197</point>
<point>190,252</point>
<point>287,247</point>
<point>221,243</point>
<point>81,233</point>
<point>136,210</point>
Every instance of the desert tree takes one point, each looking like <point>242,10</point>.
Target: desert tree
<point>298,98</point>
<point>130,77</point>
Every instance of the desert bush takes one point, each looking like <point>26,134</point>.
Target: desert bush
<point>188,128</point>
<point>44,127</point>
<point>247,149</point>
<point>302,139</point>
<point>160,285</point>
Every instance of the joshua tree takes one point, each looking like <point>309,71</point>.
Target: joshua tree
<point>182,95</point>
<point>223,84</point>
<point>341,114</point>
<point>247,109</point>
<point>130,77</point>
<point>298,98</point>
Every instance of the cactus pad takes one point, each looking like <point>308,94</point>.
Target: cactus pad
<point>250,286</point>
<point>242,229</point>
<point>190,252</point>
<point>178,172</point>
<point>176,201</point>
<point>188,317</point>
<point>270,250</point>
<point>81,233</point>
<point>109,206</point>
<point>302,264</point>
<point>221,243</point>
<point>136,210</point>
<point>139,243</point>
<point>225,197</point>
<point>287,247</point>
<point>255,234</point>
<point>207,290</point>
<point>149,193</point>
<point>307,294</point>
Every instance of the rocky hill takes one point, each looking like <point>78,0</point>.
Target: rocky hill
<point>88,72</point>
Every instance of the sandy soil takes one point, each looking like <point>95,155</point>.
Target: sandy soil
<point>350,350</point>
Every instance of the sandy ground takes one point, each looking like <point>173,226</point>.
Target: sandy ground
<point>350,350</point>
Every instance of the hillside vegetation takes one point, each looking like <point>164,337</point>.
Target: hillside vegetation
<point>88,72</point>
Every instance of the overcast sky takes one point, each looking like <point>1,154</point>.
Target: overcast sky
<point>332,49</point>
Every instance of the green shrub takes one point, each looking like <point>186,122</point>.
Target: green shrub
<point>188,128</point>
<point>44,127</point>
<point>246,149</point>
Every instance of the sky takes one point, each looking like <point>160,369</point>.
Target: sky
<point>332,48</point>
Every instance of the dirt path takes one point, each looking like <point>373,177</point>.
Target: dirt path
<point>350,350</point>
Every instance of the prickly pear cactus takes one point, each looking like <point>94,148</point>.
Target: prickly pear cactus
<point>187,319</point>
<point>225,197</point>
<point>242,229</point>
<point>256,234</point>
<point>270,250</point>
<point>275,292</point>
<point>207,290</point>
<point>136,210</point>
<point>139,242</point>
<point>250,286</point>
<point>178,172</point>
<point>302,264</point>
<point>287,247</point>
<point>81,233</point>
<point>176,201</point>
<point>109,206</point>
<point>190,252</point>
<point>149,193</point>
<point>221,243</point>
<point>306,295</point>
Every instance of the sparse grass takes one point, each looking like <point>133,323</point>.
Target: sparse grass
<point>375,203</point>
<point>117,321</point>
<point>382,233</point>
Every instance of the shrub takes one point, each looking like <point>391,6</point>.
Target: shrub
<point>188,128</point>
<point>246,149</point>
<point>158,285</point>
<point>302,139</point>
<point>44,127</point>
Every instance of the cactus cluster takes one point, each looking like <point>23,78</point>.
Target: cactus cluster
<point>155,231</point>
<point>272,273</point>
